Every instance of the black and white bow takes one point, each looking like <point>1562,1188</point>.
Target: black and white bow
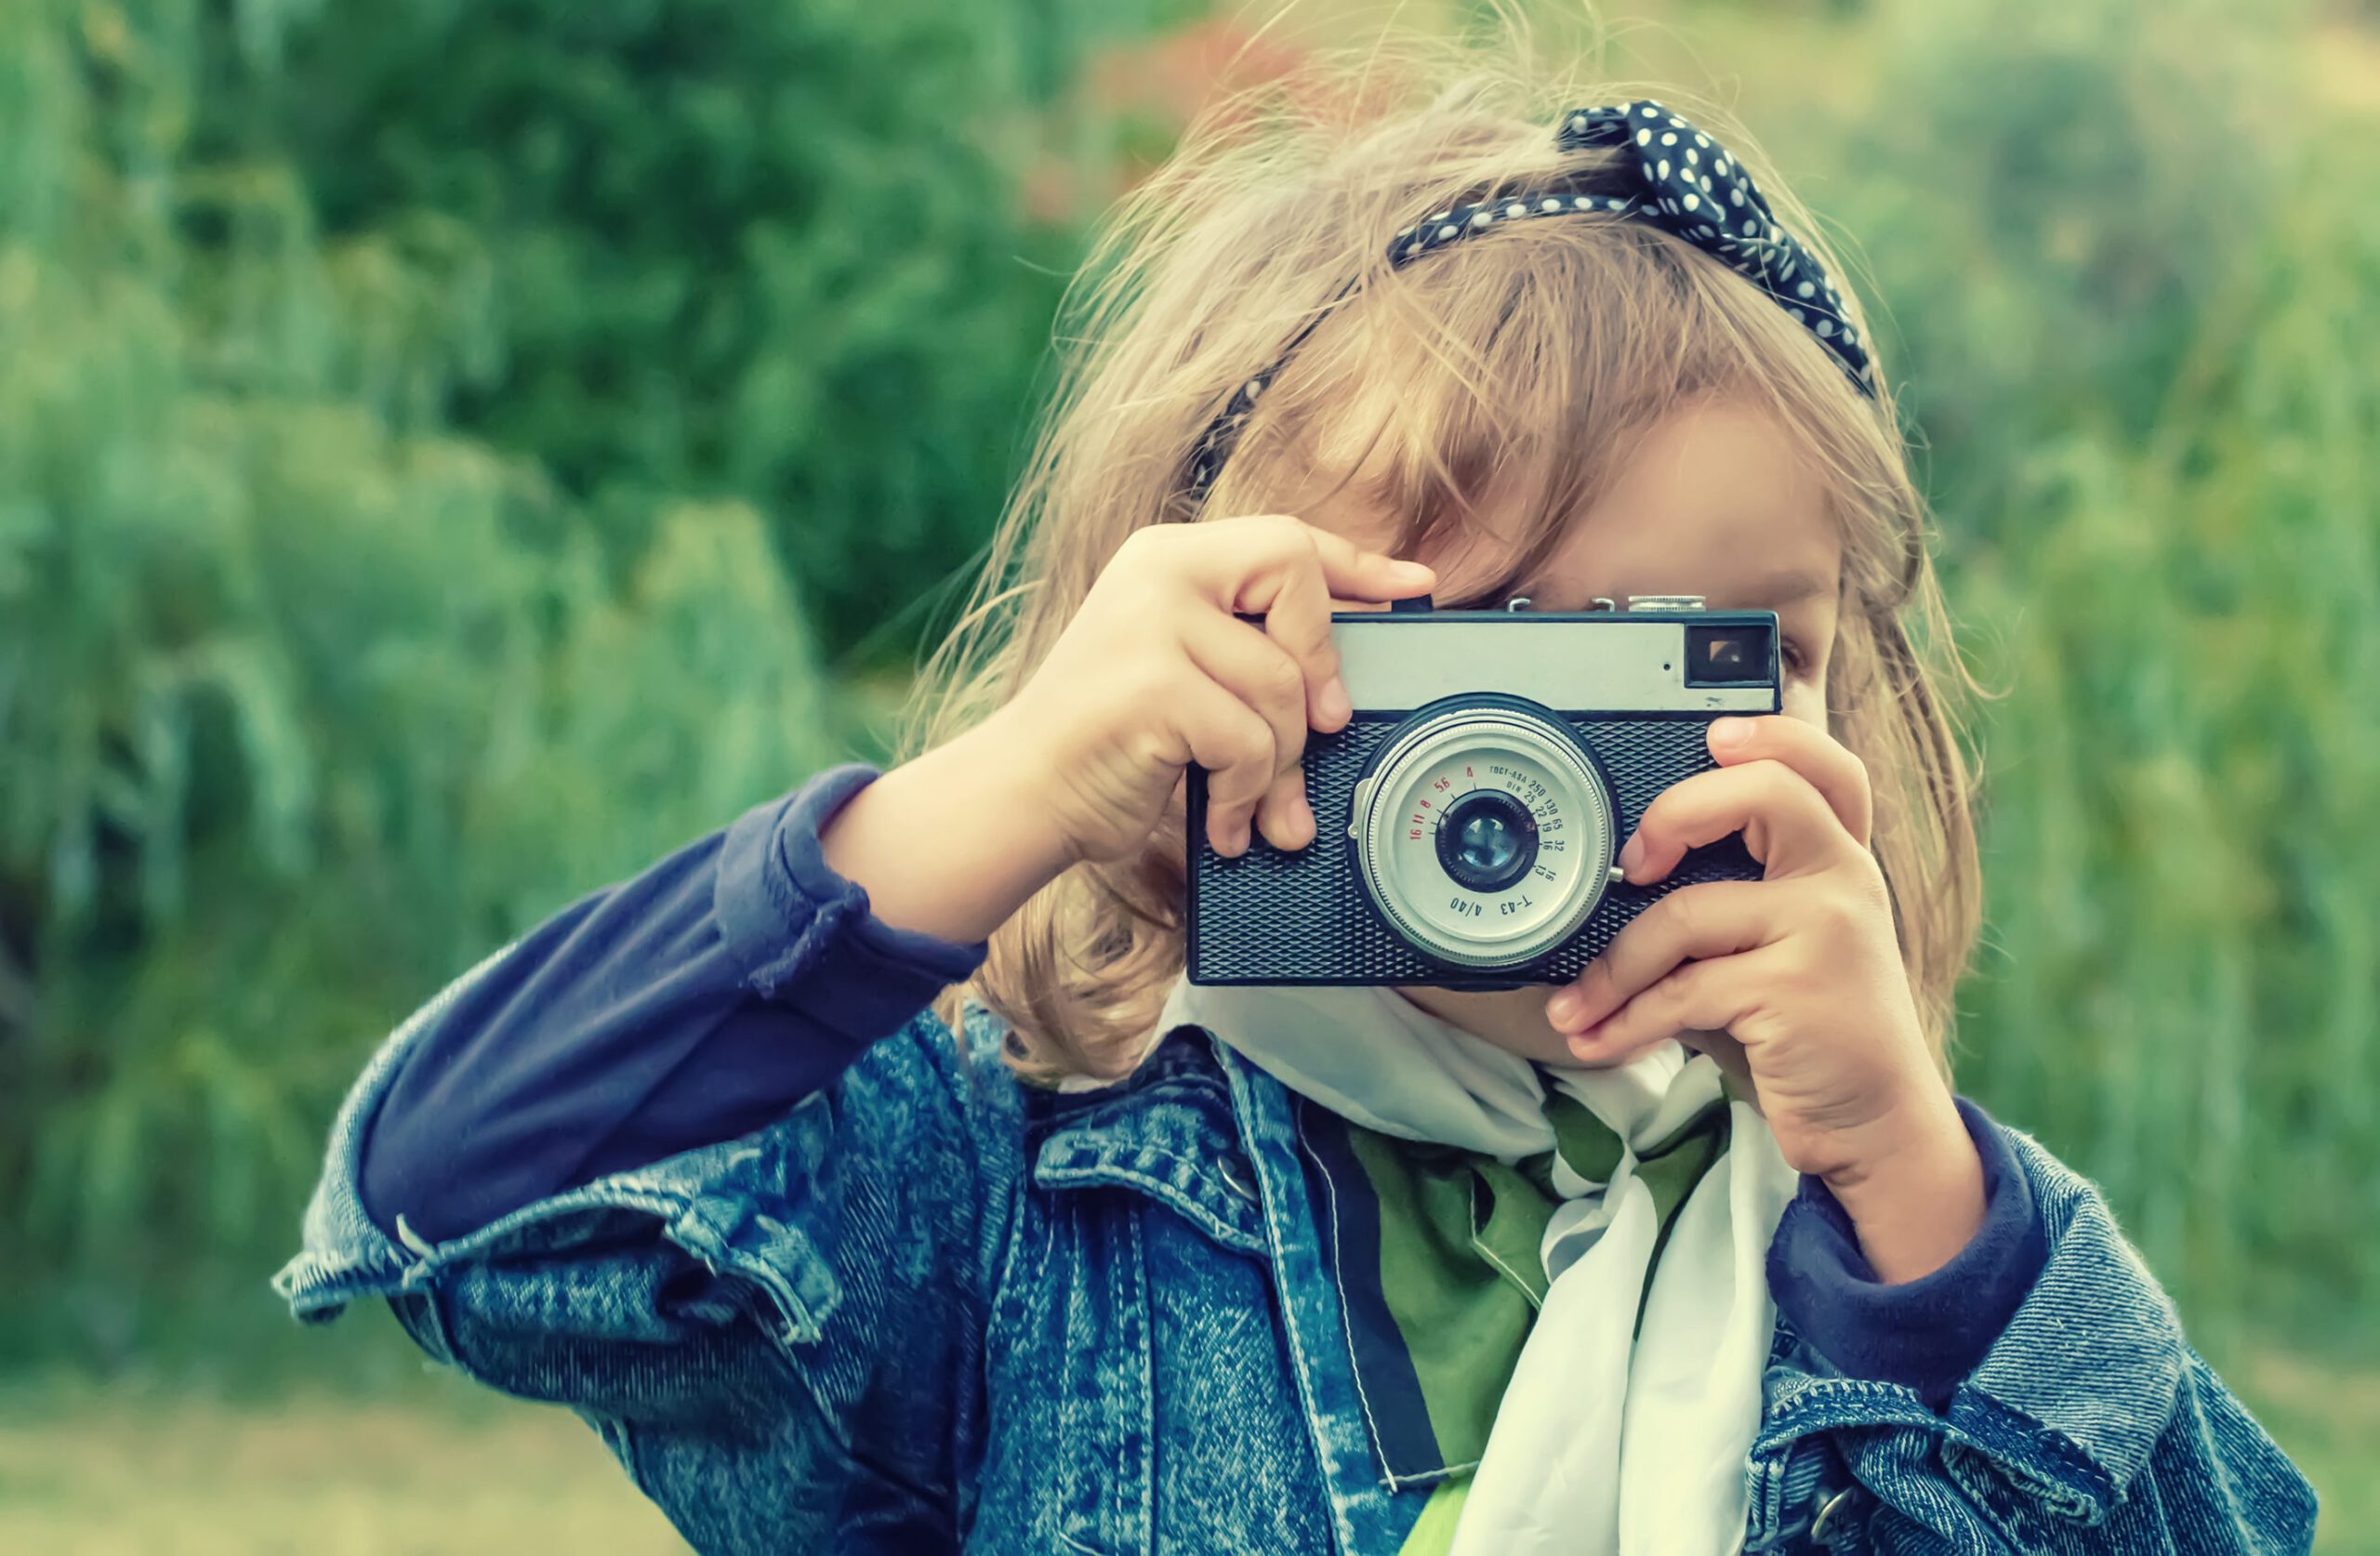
<point>1694,189</point>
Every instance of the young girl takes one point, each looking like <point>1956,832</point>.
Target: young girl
<point>1697,1254</point>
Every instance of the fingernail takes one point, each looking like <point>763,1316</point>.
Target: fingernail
<point>1565,1008</point>
<point>1730,731</point>
<point>1632,854</point>
<point>1334,704</point>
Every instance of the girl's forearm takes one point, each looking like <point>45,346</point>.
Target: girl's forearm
<point>951,843</point>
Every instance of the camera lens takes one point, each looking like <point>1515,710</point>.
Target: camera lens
<point>1482,830</point>
<point>1487,840</point>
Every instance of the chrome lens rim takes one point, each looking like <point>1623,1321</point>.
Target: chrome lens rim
<point>1544,745</point>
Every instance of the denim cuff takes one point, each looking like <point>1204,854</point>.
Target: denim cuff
<point>806,935</point>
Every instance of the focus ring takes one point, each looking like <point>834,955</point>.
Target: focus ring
<point>1528,745</point>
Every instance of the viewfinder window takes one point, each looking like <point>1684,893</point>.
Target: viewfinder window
<point>1718,655</point>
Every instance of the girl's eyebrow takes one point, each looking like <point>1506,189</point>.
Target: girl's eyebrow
<point>1786,586</point>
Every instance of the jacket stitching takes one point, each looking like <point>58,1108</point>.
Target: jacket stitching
<point>1171,1196</point>
<point>1339,1285</point>
<point>1145,1412</point>
<point>1242,1111</point>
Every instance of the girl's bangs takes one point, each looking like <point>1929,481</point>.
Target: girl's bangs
<point>1475,383</point>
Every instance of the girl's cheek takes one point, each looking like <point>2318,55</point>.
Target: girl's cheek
<point>1805,700</point>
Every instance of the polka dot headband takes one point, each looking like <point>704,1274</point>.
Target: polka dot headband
<point>1694,189</point>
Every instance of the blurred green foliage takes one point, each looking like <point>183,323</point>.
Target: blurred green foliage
<point>2137,268</point>
<point>709,247</point>
<point>451,453</point>
<point>412,419</point>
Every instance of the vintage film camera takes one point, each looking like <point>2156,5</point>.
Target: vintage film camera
<point>1469,815</point>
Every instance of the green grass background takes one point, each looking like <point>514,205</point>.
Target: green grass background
<point>434,1467</point>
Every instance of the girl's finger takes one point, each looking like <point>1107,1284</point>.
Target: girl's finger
<point>1274,572</point>
<point>1286,571</point>
<point>1787,824</point>
<point>1284,816</point>
<point>1221,734</point>
<point>1352,572</point>
<point>1693,923</point>
<point>1297,617</point>
<point>1251,667</point>
<point>1699,996</point>
<point>1824,762</point>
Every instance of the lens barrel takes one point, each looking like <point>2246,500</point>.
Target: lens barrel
<point>1482,830</point>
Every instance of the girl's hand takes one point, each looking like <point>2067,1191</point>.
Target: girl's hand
<point>1157,671</point>
<point>1794,982</point>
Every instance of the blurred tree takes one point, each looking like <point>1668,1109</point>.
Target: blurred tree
<point>305,700</point>
<point>428,434</point>
<point>709,248</point>
<point>2078,192</point>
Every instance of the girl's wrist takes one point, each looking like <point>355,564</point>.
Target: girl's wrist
<point>1915,1196</point>
<point>949,844</point>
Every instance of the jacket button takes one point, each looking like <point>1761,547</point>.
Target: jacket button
<point>1234,1174</point>
<point>1826,1514</point>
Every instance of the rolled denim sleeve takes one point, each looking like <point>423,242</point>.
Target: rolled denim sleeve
<point>804,936</point>
<point>2088,1425</point>
<point>691,1160</point>
<point>805,1304</point>
<point>687,1005</point>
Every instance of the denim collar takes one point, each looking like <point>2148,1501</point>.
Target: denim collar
<point>1167,1131</point>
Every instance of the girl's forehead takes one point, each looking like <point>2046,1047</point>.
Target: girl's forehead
<point>1715,499</point>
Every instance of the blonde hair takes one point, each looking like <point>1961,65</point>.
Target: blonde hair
<point>1523,358</point>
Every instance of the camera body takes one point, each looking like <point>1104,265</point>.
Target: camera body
<point>1468,817</point>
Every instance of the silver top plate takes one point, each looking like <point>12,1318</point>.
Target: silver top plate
<point>1608,665</point>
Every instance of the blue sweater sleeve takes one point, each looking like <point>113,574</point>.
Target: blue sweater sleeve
<point>689,1004</point>
<point>1928,1333</point>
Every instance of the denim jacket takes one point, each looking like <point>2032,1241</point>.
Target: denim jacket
<point>933,1309</point>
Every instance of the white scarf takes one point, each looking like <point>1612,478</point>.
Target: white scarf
<point>1612,1439</point>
